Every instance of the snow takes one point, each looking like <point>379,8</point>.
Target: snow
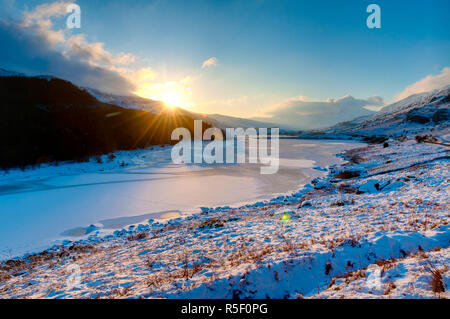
<point>49,204</point>
<point>315,242</point>
<point>130,102</point>
<point>393,121</point>
<point>372,223</point>
<point>409,277</point>
<point>371,186</point>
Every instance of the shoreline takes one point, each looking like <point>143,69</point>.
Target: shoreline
<point>217,259</point>
<point>143,185</point>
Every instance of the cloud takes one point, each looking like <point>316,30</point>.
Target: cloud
<point>144,75</point>
<point>32,44</point>
<point>94,53</point>
<point>428,83</point>
<point>304,113</point>
<point>30,52</point>
<point>39,20</point>
<point>210,62</point>
<point>46,11</point>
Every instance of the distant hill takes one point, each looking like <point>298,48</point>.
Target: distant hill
<point>415,114</point>
<point>223,121</point>
<point>4,72</point>
<point>49,119</point>
<point>129,101</point>
<point>140,103</point>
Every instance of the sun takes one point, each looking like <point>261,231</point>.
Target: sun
<point>171,98</point>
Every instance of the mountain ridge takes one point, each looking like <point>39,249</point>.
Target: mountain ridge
<point>415,114</point>
<point>44,119</point>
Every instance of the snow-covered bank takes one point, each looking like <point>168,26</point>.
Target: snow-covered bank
<point>76,200</point>
<point>325,240</point>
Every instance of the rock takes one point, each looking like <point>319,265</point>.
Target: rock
<point>374,139</point>
<point>143,228</point>
<point>348,174</point>
<point>305,204</point>
<point>371,186</point>
<point>393,186</point>
<point>412,116</point>
<point>356,159</point>
<point>120,233</point>
<point>175,221</point>
<point>91,228</point>
<point>442,115</point>
<point>322,185</point>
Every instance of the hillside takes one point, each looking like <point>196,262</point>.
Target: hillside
<point>381,232</point>
<point>415,114</point>
<point>129,101</point>
<point>223,121</point>
<point>46,119</point>
<point>155,107</point>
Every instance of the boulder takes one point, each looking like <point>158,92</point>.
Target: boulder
<point>442,115</point>
<point>371,186</point>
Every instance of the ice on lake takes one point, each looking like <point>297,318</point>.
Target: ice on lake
<point>42,206</point>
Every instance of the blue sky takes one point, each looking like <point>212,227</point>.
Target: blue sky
<point>268,52</point>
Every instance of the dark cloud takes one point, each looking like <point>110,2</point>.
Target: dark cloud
<point>24,50</point>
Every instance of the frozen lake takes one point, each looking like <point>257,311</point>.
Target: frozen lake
<point>41,206</point>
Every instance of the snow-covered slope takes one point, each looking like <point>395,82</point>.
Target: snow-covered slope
<point>383,233</point>
<point>223,121</point>
<point>130,101</point>
<point>414,114</point>
<point>153,106</point>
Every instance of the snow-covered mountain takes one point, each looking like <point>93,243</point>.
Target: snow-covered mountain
<point>156,107</point>
<point>129,101</point>
<point>223,121</point>
<point>412,115</point>
<point>45,119</point>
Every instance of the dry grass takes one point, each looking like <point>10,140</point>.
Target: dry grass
<point>4,276</point>
<point>436,282</point>
<point>211,222</point>
<point>386,264</point>
<point>389,287</point>
<point>138,236</point>
<point>15,266</point>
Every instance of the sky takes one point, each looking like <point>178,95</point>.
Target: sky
<point>286,61</point>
